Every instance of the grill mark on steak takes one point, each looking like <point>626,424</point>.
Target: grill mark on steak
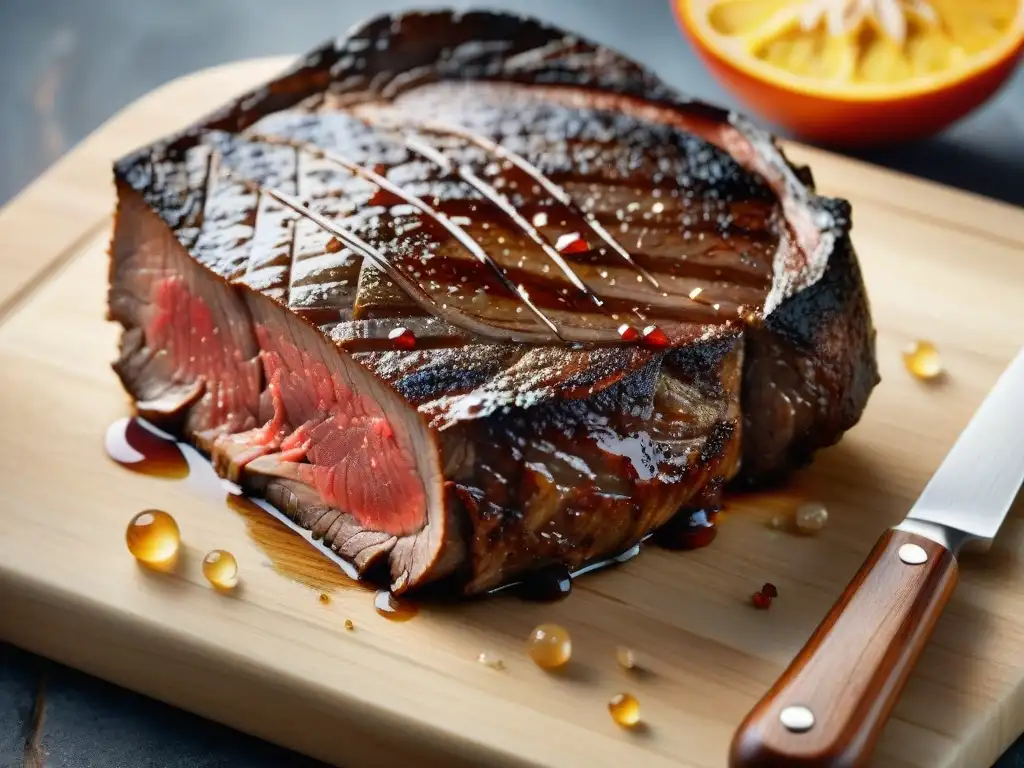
<point>365,249</point>
<point>499,448</point>
<point>553,189</point>
<point>451,271</point>
<point>296,128</point>
<point>446,222</point>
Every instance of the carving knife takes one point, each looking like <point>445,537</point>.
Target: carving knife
<point>830,705</point>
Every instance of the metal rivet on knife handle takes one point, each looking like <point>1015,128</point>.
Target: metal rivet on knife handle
<point>797,718</point>
<point>912,554</point>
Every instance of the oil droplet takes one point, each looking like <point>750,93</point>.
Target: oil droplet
<point>153,537</point>
<point>657,207</point>
<point>625,657</point>
<point>811,517</point>
<point>624,709</point>
<point>390,607</point>
<point>491,660</point>
<point>550,646</point>
<point>349,625</point>
<point>324,598</point>
<point>923,360</point>
<point>221,569</point>
<point>540,220</point>
<point>402,337</point>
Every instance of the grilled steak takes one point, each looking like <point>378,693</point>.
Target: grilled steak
<point>466,295</point>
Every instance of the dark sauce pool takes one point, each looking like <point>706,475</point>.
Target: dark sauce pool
<point>294,553</point>
<point>687,530</point>
<point>142,448</point>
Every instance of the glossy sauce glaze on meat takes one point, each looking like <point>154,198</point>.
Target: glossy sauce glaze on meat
<point>468,296</point>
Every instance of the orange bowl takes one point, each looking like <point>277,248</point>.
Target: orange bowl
<point>844,117</point>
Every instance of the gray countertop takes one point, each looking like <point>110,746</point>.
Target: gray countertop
<point>68,66</point>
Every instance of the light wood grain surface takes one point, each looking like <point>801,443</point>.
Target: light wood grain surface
<point>271,660</point>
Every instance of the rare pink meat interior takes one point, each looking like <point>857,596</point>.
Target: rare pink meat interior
<point>467,296</point>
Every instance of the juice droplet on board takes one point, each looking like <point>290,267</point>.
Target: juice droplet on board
<point>624,709</point>
<point>625,657</point>
<point>491,660</point>
<point>390,607</point>
<point>153,537</point>
<point>221,569</point>
<point>550,646</point>
<point>811,517</point>
<point>922,359</point>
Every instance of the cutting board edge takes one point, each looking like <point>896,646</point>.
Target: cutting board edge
<point>25,623</point>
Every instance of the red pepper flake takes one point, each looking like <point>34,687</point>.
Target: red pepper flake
<point>333,245</point>
<point>655,337</point>
<point>572,243</point>
<point>628,332</point>
<point>403,337</point>
<point>763,599</point>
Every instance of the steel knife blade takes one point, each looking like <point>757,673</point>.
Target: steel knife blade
<point>973,489</point>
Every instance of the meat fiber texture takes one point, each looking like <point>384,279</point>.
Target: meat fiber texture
<point>467,296</point>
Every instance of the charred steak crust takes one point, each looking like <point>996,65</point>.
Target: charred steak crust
<point>394,291</point>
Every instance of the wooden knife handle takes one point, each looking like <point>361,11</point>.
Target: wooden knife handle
<point>850,673</point>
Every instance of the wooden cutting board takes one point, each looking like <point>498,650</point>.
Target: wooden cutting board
<point>274,661</point>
